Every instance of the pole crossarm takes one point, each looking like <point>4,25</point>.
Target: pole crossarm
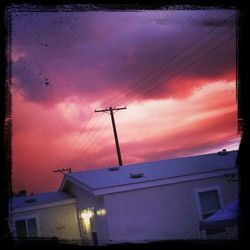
<point>108,109</point>
<point>61,170</point>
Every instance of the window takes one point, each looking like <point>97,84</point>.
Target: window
<point>26,228</point>
<point>210,202</point>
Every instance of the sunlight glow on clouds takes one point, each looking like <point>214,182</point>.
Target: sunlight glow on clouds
<point>90,59</point>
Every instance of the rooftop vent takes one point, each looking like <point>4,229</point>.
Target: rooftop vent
<point>114,168</point>
<point>139,175</point>
<point>223,152</point>
<point>30,200</point>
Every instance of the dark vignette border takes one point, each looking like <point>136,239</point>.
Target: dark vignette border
<point>243,103</point>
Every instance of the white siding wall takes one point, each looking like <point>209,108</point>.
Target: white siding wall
<point>164,212</point>
<point>86,200</point>
<point>59,221</point>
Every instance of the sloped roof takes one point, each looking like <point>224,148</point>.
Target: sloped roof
<point>227,216</point>
<point>39,199</point>
<point>171,168</point>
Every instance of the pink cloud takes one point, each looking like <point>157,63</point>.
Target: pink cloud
<point>147,130</point>
<point>194,112</point>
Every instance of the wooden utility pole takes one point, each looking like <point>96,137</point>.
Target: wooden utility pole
<point>110,110</point>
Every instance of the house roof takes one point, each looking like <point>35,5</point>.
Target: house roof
<point>39,199</point>
<point>227,216</point>
<point>152,171</point>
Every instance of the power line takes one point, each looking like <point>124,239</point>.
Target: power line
<point>182,61</point>
<point>98,121</point>
<point>188,65</point>
<point>72,146</point>
<point>208,53</point>
<point>171,59</point>
<point>75,141</point>
<point>185,68</point>
<point>94,139</point>
<point>192,53</point>
<point>108,102</point>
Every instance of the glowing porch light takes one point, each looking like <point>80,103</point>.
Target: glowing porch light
<point>101,212</point>
<point>87,214</point>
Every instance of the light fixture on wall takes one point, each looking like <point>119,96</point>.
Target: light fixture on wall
<point>101,212</point>
<point>87,213</point>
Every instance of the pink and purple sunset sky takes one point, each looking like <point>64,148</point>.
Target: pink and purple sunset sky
<point>174,70</point>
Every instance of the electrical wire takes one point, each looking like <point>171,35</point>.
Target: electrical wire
<point>183,69</point>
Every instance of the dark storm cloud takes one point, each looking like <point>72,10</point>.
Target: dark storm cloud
<point>80,53</point>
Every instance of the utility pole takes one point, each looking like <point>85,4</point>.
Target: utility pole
<point>110,110</point>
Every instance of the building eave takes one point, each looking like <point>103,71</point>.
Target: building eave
<point>32,207</point>
<point>160,182</point>
<point>147,183</point>
<point>68,178</point>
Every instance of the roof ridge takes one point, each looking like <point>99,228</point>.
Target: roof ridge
<point>146,162</point>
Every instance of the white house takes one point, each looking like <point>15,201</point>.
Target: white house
<point>145,202</point>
